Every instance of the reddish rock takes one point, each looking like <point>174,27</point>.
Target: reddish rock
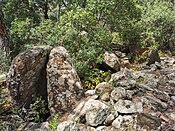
<point>27,75</point>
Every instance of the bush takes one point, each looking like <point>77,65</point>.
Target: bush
<point>79,34</point>
<point>94,77</point>
<point>157,24</point>
<point>53,124</point>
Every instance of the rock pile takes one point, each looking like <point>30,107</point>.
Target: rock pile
<point>141,99</point>
<point>137,100</point>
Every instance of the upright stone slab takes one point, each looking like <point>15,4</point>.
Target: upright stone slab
<point>64,86</point>
<point>153,56</point>
<point>111,62</point>
<point>27,75</point>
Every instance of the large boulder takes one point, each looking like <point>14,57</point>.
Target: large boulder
<point>64,85</point>
<point>67,126</point>
<point>27,75</point>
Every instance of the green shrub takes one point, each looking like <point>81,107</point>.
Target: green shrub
<point>38,109</point>
<point>157,24</point>
<point>53,124</point>
<point>96,76</point>
<point>85,40</point>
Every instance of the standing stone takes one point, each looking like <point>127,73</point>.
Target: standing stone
<point>27,75</point>
<point>111,62</point>
<point>64,86</point>
<point>153,56</point>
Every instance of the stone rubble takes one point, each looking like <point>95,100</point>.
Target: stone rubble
<point>139,100</point>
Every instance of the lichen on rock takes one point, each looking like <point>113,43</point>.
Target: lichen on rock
<point>64,85</point>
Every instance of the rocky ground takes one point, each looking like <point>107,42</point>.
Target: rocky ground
<point>139,99</point>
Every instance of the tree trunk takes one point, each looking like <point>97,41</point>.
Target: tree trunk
<point>45,8</point>
<point>4,41</point>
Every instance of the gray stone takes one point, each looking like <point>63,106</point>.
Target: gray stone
<point>122,75</point>
<point>173,98</point>
<point>105,96</point>
<point>118,93</point>
<point>152,82</point>
<point>127,84</point>
<point>10,122</point>
<point>161,95</point>
<point>96,112</point>
<point>109,119</point>
<point>128,118</point>
<point>118,53</point>
<point>103,85</point>
<point>67,126</point>
<point>2,77</point>
<point>100,128</point>
<point>77,112</point>
<point>64,85</point>
<point>153,56</point>
<point>81,127</point>
<point>27,75</point>
<point>90,92</point>
<point>111,61</point>
<point>5,99</point>
<point>118,122</point>
<point>157,104</point>
<point>130,93</point>
<point>127,106</point>
<point>145,87</point>
<point>148,122</point>
<point>31,126</point>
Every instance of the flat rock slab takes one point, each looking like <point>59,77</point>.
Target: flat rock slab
<point>148,122</point>
<point>127,106</point>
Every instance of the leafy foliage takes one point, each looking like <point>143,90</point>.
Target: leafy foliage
<point>4,62</point>
<point>157,24</point>
<point>53,124</point>
<point>96,76</point>
<point>36,113</point>
<point>38,109</point>
<point>88,27</point>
